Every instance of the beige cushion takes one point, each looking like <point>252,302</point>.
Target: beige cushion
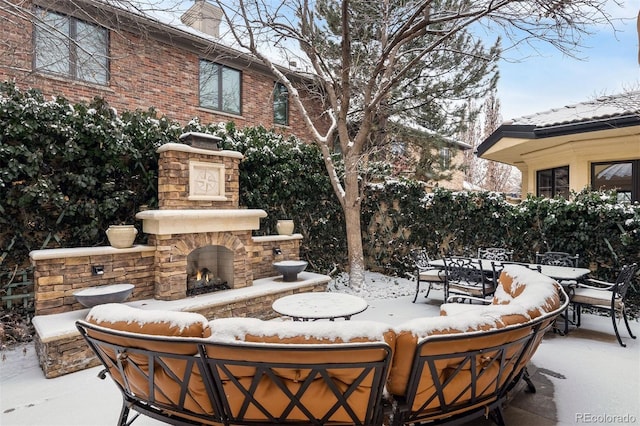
<point>589,296</point>
<point>122,317</point>
<point>300,332</point>
<point>433,275</point>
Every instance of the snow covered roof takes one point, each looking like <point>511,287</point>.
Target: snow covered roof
<point>602,113</point>
<point>597,109</point>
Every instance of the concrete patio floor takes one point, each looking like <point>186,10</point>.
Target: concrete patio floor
<point>585,373</point>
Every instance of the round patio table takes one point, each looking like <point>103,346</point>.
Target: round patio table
<point>319,305</point>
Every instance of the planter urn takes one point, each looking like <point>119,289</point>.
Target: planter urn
<point>121,236</point>
<point>285,227</point>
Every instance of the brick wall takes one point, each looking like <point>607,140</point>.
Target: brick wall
<point>146,72</point>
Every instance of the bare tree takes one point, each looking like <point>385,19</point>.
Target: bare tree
<point>481,173</point>
<point>471,135</point>
<point>362,51</point>
<point>498,176</point>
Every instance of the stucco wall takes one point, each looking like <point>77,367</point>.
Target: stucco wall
<point>579,156</point>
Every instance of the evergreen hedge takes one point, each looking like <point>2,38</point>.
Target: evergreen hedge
<point>68,171</point>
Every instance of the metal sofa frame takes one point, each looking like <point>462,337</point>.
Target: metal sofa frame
<point>502,365</point>
<point>478,379</point>
<point>217,374</point>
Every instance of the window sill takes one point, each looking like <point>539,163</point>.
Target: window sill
<point>217,112</point>
<point>68,80</point>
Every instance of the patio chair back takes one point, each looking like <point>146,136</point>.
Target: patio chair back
<point>464,276</point>
<point>425,273</point>
<point>610,298</point>
<point>557,258</point>
<point>495,253</point>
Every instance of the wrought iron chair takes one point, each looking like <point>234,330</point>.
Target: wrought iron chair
<point>464,276</point>
<point>557,258</point>
<point>606,296</point>
<point>495,253</point>
<point>425,273</point>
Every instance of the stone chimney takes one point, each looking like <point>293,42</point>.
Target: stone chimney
<point>203,17</point>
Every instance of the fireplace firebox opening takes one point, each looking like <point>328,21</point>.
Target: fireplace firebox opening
<point>209,269</point>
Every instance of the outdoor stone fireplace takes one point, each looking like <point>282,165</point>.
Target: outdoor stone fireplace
<point>199,241</point>
<point>200,234</point>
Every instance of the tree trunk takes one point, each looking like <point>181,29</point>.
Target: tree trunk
<point>352,207</point>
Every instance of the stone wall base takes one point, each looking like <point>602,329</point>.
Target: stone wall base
<point>70,353</point>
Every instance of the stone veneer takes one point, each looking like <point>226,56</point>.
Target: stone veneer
<point>65,351</point>
<point>58,273</point>
<point>198,195</point>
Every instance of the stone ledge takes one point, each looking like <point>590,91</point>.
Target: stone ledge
<point>85,251</point>
<point>172,146</point>
<point>267,238</point>
<point>57,326</point>
<point>61,349</point>
<point>185,221</point>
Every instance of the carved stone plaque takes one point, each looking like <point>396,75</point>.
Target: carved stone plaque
<point>206,181</point>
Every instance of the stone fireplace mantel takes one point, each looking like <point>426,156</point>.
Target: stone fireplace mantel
<point>165,222</point>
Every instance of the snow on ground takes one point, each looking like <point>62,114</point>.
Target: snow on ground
<point>595,380</point>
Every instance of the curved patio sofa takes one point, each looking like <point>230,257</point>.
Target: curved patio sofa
<point>183,369</point>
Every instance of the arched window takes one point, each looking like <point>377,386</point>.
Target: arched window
<point>280,104</point>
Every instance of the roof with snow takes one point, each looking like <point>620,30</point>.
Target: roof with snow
<point>602,113</point>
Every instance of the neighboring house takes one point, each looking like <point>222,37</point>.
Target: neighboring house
<point>594,144</point>
<point>441,166</point>
<point>176,64</point>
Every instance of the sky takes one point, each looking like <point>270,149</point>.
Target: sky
<point>539,81</point>
<point>536,80</point>
<point>591,375</point>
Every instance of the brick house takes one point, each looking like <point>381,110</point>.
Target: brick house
<point>175,62</point>
<point>177,66</point>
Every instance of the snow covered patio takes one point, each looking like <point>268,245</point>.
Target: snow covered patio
<point>585,377</point>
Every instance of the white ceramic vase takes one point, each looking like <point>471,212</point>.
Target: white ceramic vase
<point>285,227</point>
<point>121,236</point>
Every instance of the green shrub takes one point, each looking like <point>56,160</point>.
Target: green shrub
<point>68,171</point>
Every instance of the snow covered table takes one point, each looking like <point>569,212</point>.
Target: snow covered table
<point>319,305</point>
